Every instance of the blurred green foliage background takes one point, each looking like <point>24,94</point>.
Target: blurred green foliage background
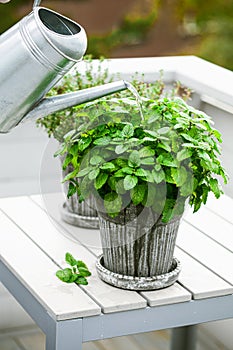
<point>136,28</point>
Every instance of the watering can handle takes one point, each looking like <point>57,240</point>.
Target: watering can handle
<point>36,3</point>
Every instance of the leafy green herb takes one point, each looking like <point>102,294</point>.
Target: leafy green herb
<point>158,162</point>
<point>77,273</point>
<point>161,161</point>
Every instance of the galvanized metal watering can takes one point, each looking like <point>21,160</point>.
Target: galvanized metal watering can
<point>34,55</point>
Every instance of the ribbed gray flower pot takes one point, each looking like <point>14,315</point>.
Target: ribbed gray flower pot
<point>82,214</point>
<point>140,249</point>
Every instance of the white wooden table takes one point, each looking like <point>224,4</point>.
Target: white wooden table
<point>33,243</point>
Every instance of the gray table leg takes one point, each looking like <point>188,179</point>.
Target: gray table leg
<point>184,338</point>
<point>64,335</point>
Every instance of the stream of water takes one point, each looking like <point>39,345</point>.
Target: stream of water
<point>134,91</point>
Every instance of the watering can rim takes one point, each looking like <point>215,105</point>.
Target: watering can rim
<point>51,35</point>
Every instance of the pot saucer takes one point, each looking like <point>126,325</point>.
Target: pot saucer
<point>78,220</point>
<point>138,283</point>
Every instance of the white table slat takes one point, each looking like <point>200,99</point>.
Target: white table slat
<point>61,300</point>
<point>199,280</point>
<point>222,206</point>
<point>213,225</point>
<point>171,295</point>
<point>208,252</point>
<point>36,223</point>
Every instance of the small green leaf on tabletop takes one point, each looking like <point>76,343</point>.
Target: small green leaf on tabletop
<point>70,259</point>
<point>82,280</point>
<point>77,273</point>
<point>64,275</point>
<point>84,272</point>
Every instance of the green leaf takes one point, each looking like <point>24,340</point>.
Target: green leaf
<point>157,167</point>
<point>188,138</point>
<point>154,117</point>
<point>187,187</point>
<point>94,173</point>
<point>164,146</point>
<point>121,149</point>
<point>134,159</point>
<point>151,195</point>
<point>163,130</point>
<point>149,176</point>
<point>112,203</point>
<point>96,160</point>
<point>120,187</point>
<point>112,181</point>
<point>215,187</point>
<point>141,172</point>
<point>167,160</point>
<point>152,133</point>
<point>74,149</point>
<point>67,161</point>
<point>83,143</point>
<point>108,166</point>
<point>83,172</point>
<point>103,141</point>
<point>184,154</point>
<point>168,210</point>
<point>127,170</point>
<point>85,187</point>
<point>218,135</point>
<point>122,162</point>
<point>64,275</point>
<point>82,280</point>
<point>70,259</point>
<point>80,263</point>
<point>84,271</point>
<point>130,181</point>
<point>138,193</point>
<point>71,190</point>
<point>61,150</point>
<point>179,175</point>
<point>146,151</point>
<point>158,175</point>
<point>101,180</point>
<point>119,173</point>
<point>148,161</point>
<point>128,131</point>
<point>70,175</point>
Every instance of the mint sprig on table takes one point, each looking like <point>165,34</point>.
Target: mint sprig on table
<point>77,273</point>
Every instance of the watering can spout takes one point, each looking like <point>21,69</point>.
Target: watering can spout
<point>58,103</point>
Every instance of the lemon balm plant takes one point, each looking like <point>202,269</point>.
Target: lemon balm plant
<point>142,172</point>
<point>82,116</point>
